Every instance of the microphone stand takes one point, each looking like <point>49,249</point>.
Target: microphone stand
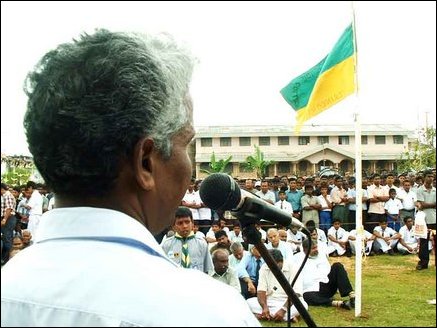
<point>254,237</point>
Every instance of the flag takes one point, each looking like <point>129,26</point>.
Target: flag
<point>325,84</point>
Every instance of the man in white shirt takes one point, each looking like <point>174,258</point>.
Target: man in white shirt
<point>321,281</point>
<point>192,200</point>
<point>276,243</point>
<point>408,198</point>
<point>34,206</point>
<point>109,123</point>
<point>266,194</point>
<point>271,301</point>
<point>408,243</point>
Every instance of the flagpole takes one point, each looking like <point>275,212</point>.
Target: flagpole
<point>358,182</point>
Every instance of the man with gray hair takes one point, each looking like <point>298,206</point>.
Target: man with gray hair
<point>109,122</point>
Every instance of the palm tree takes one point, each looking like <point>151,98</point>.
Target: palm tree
<point>257,163</point>
<point>219,166</point>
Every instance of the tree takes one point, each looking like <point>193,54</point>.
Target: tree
<point>257,163</point>
<point>421,154</point>
<point>16,176</point>
<point>219,166</point>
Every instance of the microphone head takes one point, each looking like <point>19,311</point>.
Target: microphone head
<point>219,191</point>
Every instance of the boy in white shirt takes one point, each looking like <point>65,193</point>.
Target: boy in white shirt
<point>392,207</point>
<point>368,241</point>
<point>408,243</point>
<point>295,238</point>
<point>338,240</point>
<point>386,238</point>
<point>283,204</point>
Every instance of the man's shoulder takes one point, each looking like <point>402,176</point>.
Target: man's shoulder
<point>169,241</point>
<point>200,240</point>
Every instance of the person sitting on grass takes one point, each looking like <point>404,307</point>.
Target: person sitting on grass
<point>322,280</point>
<point>408,242</point>
<point>386,238</point>
<point>338,240</point>
<point>271,301</point>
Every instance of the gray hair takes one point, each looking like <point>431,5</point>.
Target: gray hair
<point>92,100</point>
<point>218,251</point>
<point>235,246</point>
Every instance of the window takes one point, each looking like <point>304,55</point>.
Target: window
<point>398,140</point>
<point>206,142</point>
<point>243,168</point>
<point>225,142</point>
<point>364,140</point>
<point>323,140</point>
<point>205,166</point>
<point>284,167</point>
<point>283,141</point>
<point>343,140</point>
<point>380,140</point>
<point>303,166</point>
<point>303,141</point>
<point>228,169</point>
<point>244,141</point>
<point>264,141</point>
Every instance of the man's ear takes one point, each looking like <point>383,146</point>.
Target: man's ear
<point>144,161</point>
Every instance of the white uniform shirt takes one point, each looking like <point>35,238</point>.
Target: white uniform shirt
<point>408,235</point>
<point>204,212</point>
<point>268,196</point>
<point>284,247</point>
<point>267,281</point>
<point>99,267</point>
<point>314,272</point>
<point>285,206</point>
<point>393,206</point>
<point>324,203</point>
<point>193,197</point>
<point>35,203</point>
<point>408,199</point>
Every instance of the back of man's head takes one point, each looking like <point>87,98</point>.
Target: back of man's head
<point>92,100</point>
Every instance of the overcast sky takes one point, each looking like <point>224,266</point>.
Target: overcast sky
<point>247,52</point>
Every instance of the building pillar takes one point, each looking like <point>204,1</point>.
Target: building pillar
<point>314,168</point>
<point>294,168</point>
<point>372,167</point>
<point>197,170</point>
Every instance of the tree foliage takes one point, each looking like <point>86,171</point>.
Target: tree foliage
<point>257,163</point>
<point>421,154</point>
<point>17,176</point>
<point>217,166</point>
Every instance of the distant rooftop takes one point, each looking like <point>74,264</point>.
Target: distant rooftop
<point>307,130</point>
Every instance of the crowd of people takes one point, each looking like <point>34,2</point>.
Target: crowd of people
<point>390,204</point>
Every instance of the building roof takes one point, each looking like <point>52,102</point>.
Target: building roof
<point>307,130</point>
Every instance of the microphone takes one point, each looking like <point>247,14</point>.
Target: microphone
<point>219,191</point>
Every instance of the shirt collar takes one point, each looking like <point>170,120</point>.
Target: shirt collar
<point>74,222</point>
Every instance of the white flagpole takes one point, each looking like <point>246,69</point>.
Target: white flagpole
<point>358,182</point>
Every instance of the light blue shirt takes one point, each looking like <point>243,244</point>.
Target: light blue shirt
<point>100,267</point>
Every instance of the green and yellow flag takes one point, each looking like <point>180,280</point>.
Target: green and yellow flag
<point>325,84</point>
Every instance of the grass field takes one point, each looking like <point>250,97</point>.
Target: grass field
<point>394,295</point>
